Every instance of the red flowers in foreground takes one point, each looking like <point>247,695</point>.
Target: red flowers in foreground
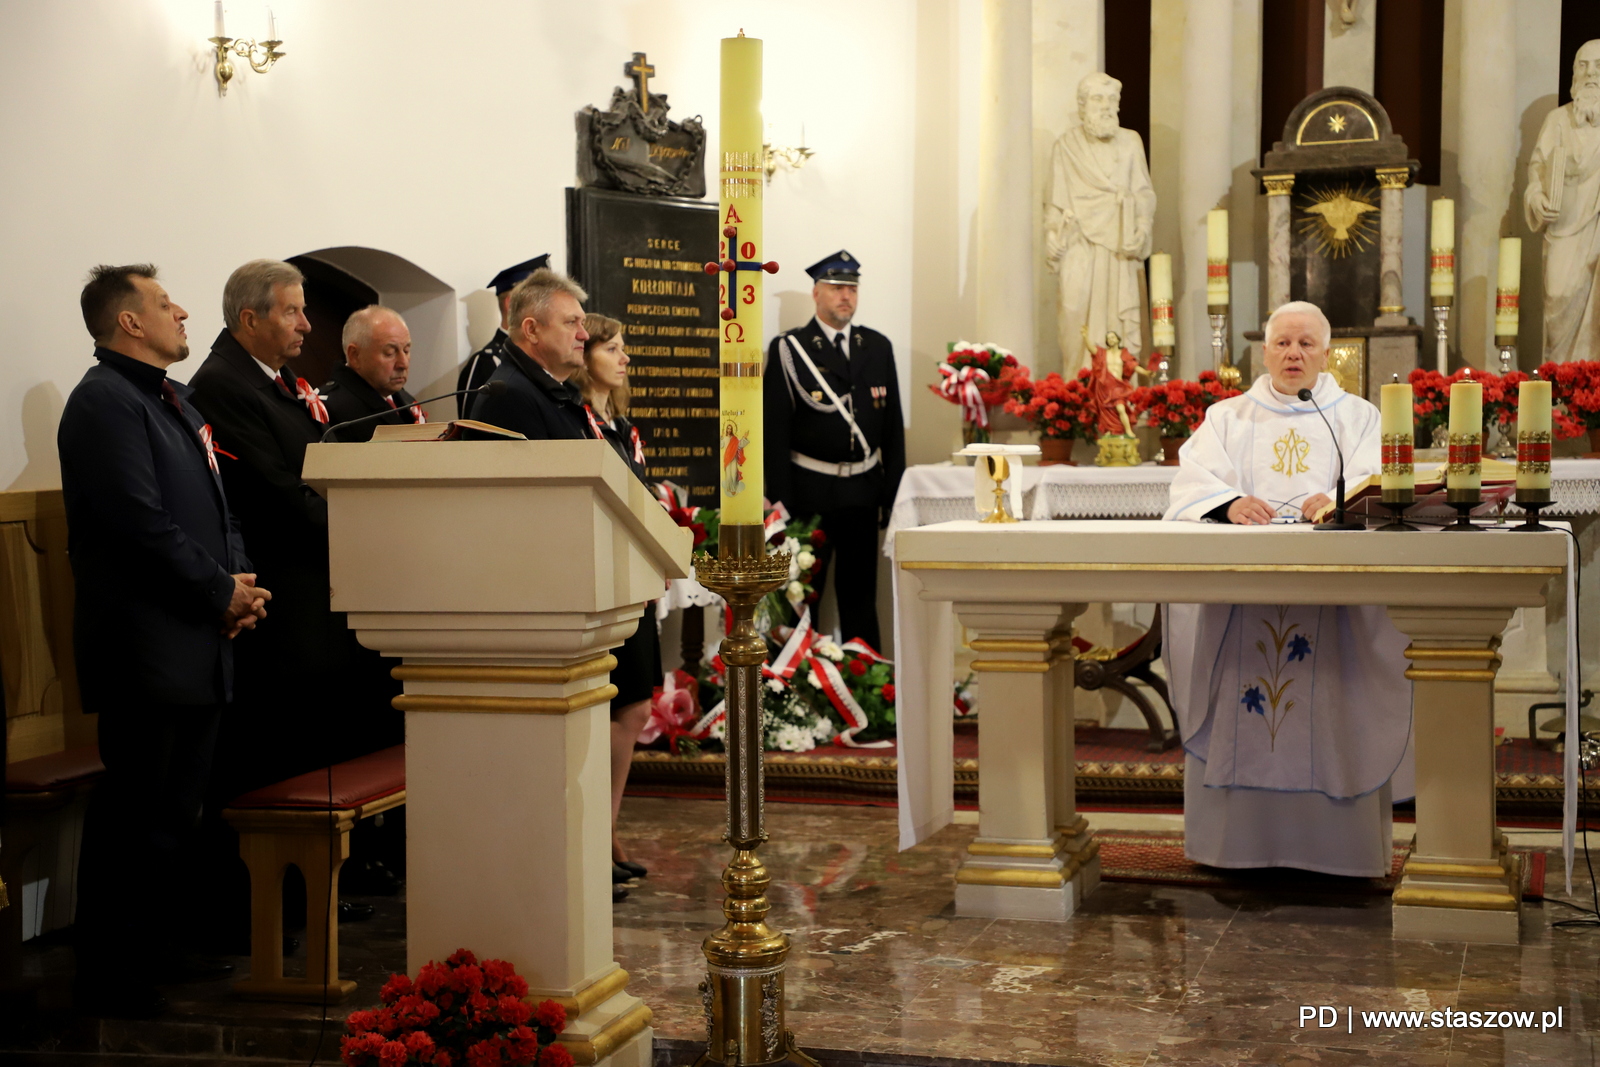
<point>460,1013</point>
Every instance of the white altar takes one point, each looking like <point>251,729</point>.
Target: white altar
<point>1019,587</point>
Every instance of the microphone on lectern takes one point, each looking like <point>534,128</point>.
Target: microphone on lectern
<point>494,387</point>
<point>1338,522</point>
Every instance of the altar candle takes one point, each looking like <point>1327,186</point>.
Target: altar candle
<point>1217,257</point>
<point>1396,426</point>
<point>740,425</point>
<point>1162,334</point>
<point>1442,267</point>
<point>1508,289</point>
<point>1466,437</point>
<point>218,14</point>
<point>1533,435</point>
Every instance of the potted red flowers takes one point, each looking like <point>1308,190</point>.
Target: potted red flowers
<point>1575,388</point>
<point>1060,409</point>
<point>1177,409</point>
<point>459,1013</point>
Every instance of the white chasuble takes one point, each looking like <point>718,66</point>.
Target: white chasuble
<point>1296,718</point>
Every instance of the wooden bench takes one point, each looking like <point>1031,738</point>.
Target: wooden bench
<point>293,822</point>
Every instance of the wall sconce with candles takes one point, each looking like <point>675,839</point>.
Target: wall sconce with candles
<point>776,158</point>
<point>261,56</point>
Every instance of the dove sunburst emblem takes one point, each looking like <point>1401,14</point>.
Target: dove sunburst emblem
<point>1336,220</point>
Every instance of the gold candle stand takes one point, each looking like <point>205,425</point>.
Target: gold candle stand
<point>743,990</point>
<point>1227,373</point>
<point>1441,333</point>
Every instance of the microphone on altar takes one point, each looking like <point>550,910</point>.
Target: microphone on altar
<point>1338,522</point>
<point>489,388</point>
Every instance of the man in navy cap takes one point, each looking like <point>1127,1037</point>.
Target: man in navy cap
<point>836,443</point>
<point>480,365</point>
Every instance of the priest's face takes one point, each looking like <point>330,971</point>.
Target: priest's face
<point>1295,353</point>
<point>1586,82</point>
<point>160,321</point>
<point>836,304</point>
<point>558,339</point>
<point>384,359</point>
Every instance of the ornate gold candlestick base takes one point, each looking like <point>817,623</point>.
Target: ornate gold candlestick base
<point>743,989</point>
<point>1116,450</point>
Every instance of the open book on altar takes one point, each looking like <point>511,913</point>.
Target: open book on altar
<point>454,430</point>
<point>1499,485</point>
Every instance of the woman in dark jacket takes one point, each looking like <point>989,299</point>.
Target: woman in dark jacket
<point>604,384</point>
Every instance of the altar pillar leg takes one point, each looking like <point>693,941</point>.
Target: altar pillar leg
<point>1459,883</point>
<point>1034,857</point>
<point>510,763</point>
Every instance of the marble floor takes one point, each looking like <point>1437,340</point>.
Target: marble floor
<point>1142,975</point>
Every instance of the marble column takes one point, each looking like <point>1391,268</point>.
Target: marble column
<point>1391,300</point>
<point>1279,189</point>
<point>1204,152</point>
<point>1460,883</point>
<point>1486,146</point>
<point>1034,857</point>
<point>1005,283</point>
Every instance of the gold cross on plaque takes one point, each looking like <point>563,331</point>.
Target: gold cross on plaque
<point>641,72</point>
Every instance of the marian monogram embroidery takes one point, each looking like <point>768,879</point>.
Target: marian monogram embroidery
<point>1291,450</point>
<point>1266,696</point>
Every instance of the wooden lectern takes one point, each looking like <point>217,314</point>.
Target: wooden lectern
<point>501,572</point>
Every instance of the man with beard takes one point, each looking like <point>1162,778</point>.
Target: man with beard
<point>372,379</point>
<point>148,523</point>
<point>1098,224</point>
<point>1563,199</point>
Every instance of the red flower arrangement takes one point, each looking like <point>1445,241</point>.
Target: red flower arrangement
<point>1575,388</point>
<point>1430,399</point>
<point>1059,408</point>
<point>460,1013</point>
<point>1178,408</point>
<point>1000,365</point>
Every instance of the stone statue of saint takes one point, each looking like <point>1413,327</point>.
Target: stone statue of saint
<point>1097,224</point>
<point>1563,199</point>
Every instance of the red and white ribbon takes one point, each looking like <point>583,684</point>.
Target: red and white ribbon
<point>594,424</point>
<point>776,522</point>
<point>801,648</point>
<point>961,386</point>
<point>418,416</point>
<point>312,400</point>
<point>864,651</point>
<point>671,495</point>
<point>638,445</point>
<point>211,447</point>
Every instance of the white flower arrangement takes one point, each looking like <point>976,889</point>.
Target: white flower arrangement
<point>829,649</point>
<point>776,685</point>
<point>719,729</point>
<point>805,560</point>
<point>792,738</point>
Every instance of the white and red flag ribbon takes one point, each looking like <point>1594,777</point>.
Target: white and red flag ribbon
<point>594,424</point>
<point>961,386</point>
<point>776,522</point>
<point>638,445</point>
<point>312,400</point>
<point>211,447</point>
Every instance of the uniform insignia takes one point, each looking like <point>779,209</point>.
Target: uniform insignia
<point>816,342</point>
<point>816,394</point>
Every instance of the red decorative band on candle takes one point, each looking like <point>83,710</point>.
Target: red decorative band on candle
<point>1465,455</point>
<point>1442,261</point>
<point>1397,455</point>
<point>1507,300</point>
<point>1161,312</point>
<point>1533,452</point>
<point>1217,270</point>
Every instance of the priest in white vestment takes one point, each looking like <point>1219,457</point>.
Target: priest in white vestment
<point>1296,719</point>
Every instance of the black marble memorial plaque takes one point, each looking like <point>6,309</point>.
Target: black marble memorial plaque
<point>642,260</point>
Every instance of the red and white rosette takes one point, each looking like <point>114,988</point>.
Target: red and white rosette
<point>211,447</point>
<point>594,424</point>
<point>418,416</point>
<point>638,445</point>
<point>963,387</point>
<point>312,400</point>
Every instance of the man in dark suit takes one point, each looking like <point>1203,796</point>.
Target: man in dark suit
<point>163,586</point>
<point>377,361</point>
<point>312,694</point>
<point>482,363</point>
<point>543,350</point>
<point>835,440</point>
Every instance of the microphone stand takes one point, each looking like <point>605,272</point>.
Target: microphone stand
<point>327,435</point>
<point>1339,522</point>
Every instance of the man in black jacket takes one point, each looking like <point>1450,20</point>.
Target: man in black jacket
<point>836,442</point>
<point>482,363</point>
<point>312,694</point>
<point>537,359</point>
<point>148,519</point>
<point>377,361</point>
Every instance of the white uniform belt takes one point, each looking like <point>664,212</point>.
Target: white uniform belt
<point>838,470</point>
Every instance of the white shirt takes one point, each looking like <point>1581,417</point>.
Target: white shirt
<point>268,371</point>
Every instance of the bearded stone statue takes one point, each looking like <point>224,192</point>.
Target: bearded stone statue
<point>1563,199</point>
<point>1097,225</point>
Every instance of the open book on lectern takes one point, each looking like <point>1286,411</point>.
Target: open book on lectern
<point>454,430</point>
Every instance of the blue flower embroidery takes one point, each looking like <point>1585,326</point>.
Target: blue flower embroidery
<point>1299,647</point>
<point>1254,701</point>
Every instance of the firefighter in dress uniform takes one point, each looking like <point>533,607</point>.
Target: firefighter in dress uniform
<point>480,365</point>
<point>835,437</point>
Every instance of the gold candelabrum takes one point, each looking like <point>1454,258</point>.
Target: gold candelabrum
<point>743,991</point>
<point>778,157</point>
<point>261,56</point>
<point>1227,373</point>
<point>1441,333</point>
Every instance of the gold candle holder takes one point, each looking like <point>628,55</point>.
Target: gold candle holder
<point>743,990</point>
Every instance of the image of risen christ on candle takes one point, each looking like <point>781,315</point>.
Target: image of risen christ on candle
<point>1296,719</point>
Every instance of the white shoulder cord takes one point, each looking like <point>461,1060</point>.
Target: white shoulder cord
<point>866,449</point>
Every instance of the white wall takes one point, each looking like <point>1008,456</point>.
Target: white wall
<point>442,134</point>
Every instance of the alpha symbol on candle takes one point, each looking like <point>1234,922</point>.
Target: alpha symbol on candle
<point>641,72</point>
